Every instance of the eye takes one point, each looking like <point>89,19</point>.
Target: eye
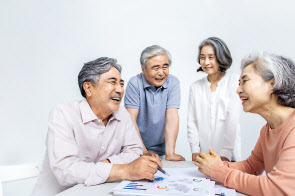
<point>122,84</point>
<point>156,68</point>
<point>211,57</point>
<point>166,67</point>
<point>112,82</point>
<point>202,58</point>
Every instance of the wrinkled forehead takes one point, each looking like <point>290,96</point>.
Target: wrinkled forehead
<point>113,73</point>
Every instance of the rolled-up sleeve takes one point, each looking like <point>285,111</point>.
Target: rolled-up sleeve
<point>63,155</point>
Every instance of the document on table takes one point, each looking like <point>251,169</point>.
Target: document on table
<point>182,181</point>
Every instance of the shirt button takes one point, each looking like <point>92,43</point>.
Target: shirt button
<point>102,148</point>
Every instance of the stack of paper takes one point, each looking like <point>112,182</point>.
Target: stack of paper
<point>182,181</point>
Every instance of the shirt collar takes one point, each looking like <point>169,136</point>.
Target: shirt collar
<point>88,115</point>
<point>146,84</point>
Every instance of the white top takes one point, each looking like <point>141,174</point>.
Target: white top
<point>77,140</point>
<point>213,117</point>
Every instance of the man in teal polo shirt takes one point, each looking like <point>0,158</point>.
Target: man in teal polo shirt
<point>153,98</point>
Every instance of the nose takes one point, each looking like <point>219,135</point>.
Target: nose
<point>239,89</point>
<point>119,88</point>
<point>160,72</point>
<point>207,61</point>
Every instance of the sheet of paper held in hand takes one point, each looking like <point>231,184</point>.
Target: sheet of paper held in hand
<point>182,181</point>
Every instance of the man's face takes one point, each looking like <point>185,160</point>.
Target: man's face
<point>156,70</point>
<point>107,93</point>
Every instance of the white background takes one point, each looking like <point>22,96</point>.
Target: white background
<point>43,45</point>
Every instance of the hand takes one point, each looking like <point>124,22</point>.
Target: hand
<point>204,162</point>
<point>174,157</point>
<point>152,154</point>
<point>225,159</point>
<point>194,156</point>
<point>143,168</point>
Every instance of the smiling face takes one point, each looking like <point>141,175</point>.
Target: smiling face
<point>255,93</point>
<point>208,61</point>
<point>156,70</point>
<point>106,95</point>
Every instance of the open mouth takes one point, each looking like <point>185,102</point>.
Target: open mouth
<point>160,79</point>
<point>116,99</point>
<point>243,99</point>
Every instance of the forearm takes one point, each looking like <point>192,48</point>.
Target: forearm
<point>171,132</point>
<point>71,171</point>
<point>117,173</point>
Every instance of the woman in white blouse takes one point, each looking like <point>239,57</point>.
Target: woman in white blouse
<point>214,106</point>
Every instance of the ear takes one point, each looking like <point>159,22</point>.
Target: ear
<point>142,69</point>
<point>87,86</point>
<point>272,83</point>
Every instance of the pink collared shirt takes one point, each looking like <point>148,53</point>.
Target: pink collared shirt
<point>77,139</point>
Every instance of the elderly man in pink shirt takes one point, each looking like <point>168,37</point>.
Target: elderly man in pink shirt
<point>93,141</point>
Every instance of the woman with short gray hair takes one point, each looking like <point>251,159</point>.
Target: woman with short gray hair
<point>267,89</point>
<point>214,108</point>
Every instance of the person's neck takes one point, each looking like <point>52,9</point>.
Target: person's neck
<point>276,115</point>
<point>100,112</point>
<point>214,79</point>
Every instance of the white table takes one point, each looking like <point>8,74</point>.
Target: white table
<point>106,188</point>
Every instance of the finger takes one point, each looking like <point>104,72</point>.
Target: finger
<point>149,176</point>
<point>197,164</point>
<point>151,169</point>
<point>156,160</point>
<point>203,155</point>
<point>182,158</point>
<point>212,152</point>
<point>153,165</point>
<point>199,159</point>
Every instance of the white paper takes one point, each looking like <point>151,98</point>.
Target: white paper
<point>182,181</point>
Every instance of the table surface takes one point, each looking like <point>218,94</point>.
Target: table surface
<point>106,188</point>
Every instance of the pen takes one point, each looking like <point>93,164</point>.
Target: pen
<point>163,171</point>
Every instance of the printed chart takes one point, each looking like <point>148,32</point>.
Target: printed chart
<point>182,181</point>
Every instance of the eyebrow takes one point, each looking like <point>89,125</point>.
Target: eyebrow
<point>113,78</point>
<point>208,54</point>
<point>159,65</point>
<point>243,77</point>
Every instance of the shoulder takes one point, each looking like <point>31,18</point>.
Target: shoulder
<point>65,109</point>
<point>198,83</point>
<point>173,80</point>
<point>135,79</point>
<point>123,114</point>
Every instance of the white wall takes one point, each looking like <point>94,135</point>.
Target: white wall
<point>43,45</point>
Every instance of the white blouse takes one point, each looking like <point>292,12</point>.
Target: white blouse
<point>213,117</point>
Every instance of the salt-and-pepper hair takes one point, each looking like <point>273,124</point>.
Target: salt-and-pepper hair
<point>279,68</point>
<point>91,71</point>
<point>152,51</point>
<point>221,51</point>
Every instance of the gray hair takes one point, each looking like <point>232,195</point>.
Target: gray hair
<point>221,51</point>
<point>279,68</point>
<point>152,51</point>
<point>91,71</point>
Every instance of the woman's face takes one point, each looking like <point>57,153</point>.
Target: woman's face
<point>254,92</point>
<point>208,61</point>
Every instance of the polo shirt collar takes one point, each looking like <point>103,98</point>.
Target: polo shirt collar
<point>146,84</point>
<point>88,115</point>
